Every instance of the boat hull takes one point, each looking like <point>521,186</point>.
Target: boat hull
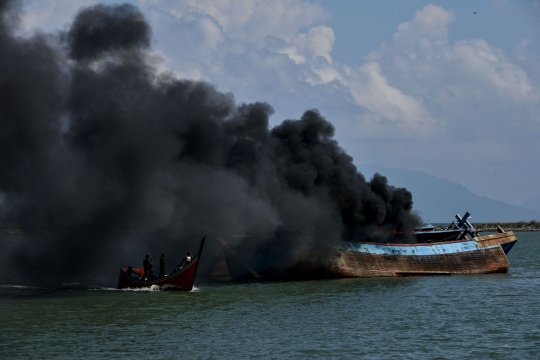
<point>182,279</point>
<point>481,255</point>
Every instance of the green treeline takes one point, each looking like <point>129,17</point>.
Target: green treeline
<point>532,225</point>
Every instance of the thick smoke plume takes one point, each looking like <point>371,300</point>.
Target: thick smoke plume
<point>94,143</point>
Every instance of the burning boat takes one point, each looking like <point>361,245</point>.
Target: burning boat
<point>290,255</point>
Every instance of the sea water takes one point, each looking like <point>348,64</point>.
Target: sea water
<point>467,317</point>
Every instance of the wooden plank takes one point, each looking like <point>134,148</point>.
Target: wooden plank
<point>504,235</point>
<point>496,239</point>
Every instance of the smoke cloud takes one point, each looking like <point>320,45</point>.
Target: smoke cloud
<point>95,143</point>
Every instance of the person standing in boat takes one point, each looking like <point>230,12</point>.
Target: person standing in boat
<point>151,275</point>
<point>146,264</point>
<point>187,259</point>
<point>130,272</point>
<point>162,266</point>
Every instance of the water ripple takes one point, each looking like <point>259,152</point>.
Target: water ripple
<point>466,317</point>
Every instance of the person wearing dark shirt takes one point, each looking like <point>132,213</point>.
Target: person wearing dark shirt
<point>146,263</point>
<point>130,272</point>
<point>187,259</point>
<point>162,266</point>
<point>150,271</point>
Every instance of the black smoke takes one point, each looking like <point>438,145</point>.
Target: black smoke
<point>96,145</point>
<point>101,29</point>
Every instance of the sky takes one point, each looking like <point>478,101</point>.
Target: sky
<point>444,87</point>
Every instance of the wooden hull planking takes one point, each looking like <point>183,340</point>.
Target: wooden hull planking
<point>481,255</point>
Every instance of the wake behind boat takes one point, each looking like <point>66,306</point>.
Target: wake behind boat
<point>181,279</point>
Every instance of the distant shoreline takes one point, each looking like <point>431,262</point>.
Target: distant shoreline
<point>520,226</point>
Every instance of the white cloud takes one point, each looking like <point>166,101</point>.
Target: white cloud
<point>306,47</point>
<point>491,66</point>
<point>325,74</point>
<point>260,50</point>
<point>521,51</point>
<point>449,79</point>
<point>318,41</point>
<point>528,59</point>
<point>429,23</point>
<point>211,32</point>
<point>371,90</point>
<point>293,53</point>
<point>251,20</point>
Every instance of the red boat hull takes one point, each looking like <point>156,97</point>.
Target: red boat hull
<point>182,280</point>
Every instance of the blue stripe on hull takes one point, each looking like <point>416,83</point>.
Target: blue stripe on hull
<point>413,250</point>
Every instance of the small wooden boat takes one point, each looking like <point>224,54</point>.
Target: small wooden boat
<point>182,279</point>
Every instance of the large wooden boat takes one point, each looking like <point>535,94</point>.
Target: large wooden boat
<point>285,256</point>
<point>182,279</point>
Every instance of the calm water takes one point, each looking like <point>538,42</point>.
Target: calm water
<point>468,317</point>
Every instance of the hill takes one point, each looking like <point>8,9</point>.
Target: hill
<point>533,204</point>
<point>438,200</point>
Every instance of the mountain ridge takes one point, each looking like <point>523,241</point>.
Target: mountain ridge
<point>533,204</point>
<point>438,200</point>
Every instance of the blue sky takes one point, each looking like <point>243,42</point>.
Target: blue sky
<point>360,26</point>
<point>427,86</point>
